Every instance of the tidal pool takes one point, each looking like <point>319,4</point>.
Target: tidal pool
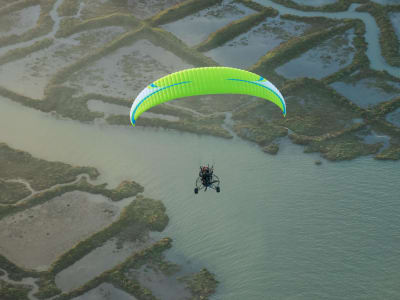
<point>281,226</point>
<point>394,117</point>
<point>126,71</point>
<point>328,57</point>
<point>19,21</point>
<point>105,291</point>
<point>195,28</point>
<point>257,42</point>
<point>30,75</point>
<point>35,237</point>
<point>162,286</point>
<point>96,262</point>
<point>366,92</point>
<point>372,31</point>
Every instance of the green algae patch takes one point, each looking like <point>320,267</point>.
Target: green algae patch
<point>272,148</point>
<point>60,99</point>
<point>19,53</point>
<point>12,192</point>
<point>317,23</point>
<point>47,287</point>
<point>39,173</point>
<point>262,133</point>
<point>345,147</point>
<point>251,4</point>
<point>15,272</point>
<point>295,47</point>
<point>181,10</point>
<point>316,115</point>
<point>68,8</point>
<point>234,29</point>
<point>388,40</point>
<point>202,284</point>
<point>360,60</point>
<point>9,291</point>
<point>317,109</point>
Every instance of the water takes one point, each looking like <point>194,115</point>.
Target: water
<point>195,28</point>
<point>395,19</point>
<point>366,92</point>
<point>394,117</point>
<point>326,58</point>
<point>315,2</point>
<point>281,226</point>
<point>105,291</point>
<point>256,42</point>
<point>372,31</point>
<point>19,21</point>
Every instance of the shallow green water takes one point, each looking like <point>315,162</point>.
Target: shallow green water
<point>282,227</point>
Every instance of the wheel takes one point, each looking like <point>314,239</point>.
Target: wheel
<point>218,189</point>
<point>196,190</point>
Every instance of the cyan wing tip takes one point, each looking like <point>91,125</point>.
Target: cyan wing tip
<point>133,122</point>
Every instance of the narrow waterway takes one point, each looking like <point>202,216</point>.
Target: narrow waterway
<point>374,52</point>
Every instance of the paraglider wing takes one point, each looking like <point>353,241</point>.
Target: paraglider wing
<point>205,81</point>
